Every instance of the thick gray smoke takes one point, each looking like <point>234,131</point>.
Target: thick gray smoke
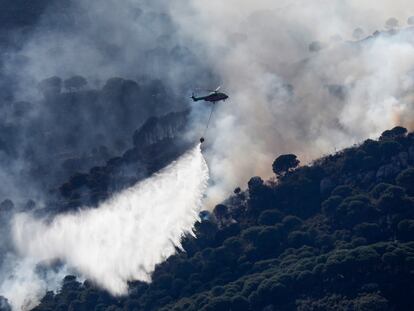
<point>99,40</point>
<point>296,81</point>
<point>120,241</point>
<point>130,66</point>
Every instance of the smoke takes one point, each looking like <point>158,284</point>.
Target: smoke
<point>120,241</point>
<point>130,58</point>
<point>23,282</point>
<point>296,80</point>
<point>132,40</point>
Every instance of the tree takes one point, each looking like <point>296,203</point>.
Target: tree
<point>220,211</point>
<point>342,191</point>
<point>371,302</point>
<point>255,183</point>
<point>285,163</point>
<point>406,180</point>
<point>315,46</point>
<point>51,86</point>
<point>358,33</point>
<point>330,205</point>
<point>396,132</point>
<point>268,239</point>
<point>392,199</point>
<point>270,217</point>
<point>6,206</point>
<point>379,189</point>
<point>75,83</point>
<point>390,148</point>
<point>298,238</point>
<point>260,195</point>
<point>291,222</point>
<point>405,230</point>
<point>4,304</point>
<point>391,23</point>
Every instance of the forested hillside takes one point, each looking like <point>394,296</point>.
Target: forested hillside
<point>334,235</point>
<point>155,144</point>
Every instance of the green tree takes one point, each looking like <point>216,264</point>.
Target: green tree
<point>270,217</point>
<point>51,86</point>
<point>405,230</point>
<point>284,163</point>
<point>396,132</point>
<point>75,83</point>
<point>406,180</point>
<point>392,23</point>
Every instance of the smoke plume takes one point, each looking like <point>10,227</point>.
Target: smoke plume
<point>120,241</point>
<point>297,81</point>
<point>291,68</point>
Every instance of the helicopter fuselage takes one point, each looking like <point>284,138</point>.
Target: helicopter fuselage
<point>213,97</point>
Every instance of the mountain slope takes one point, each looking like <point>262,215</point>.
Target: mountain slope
<point>155,144</point>
<point>334,235</point>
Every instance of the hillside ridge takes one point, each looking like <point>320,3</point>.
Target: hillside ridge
<point>334,235</point>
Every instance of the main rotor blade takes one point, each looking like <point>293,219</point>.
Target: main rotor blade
<point>216,90</point>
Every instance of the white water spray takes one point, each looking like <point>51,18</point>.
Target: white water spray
<point>126,236</point>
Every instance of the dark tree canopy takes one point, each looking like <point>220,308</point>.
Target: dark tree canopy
<point>391,23</point>
<point>255,183</point>
<point>220,211</point>
<point>285,163</point>
<point>51,86</point>
<point>75,83</point>
<point>358,33</point>
<point>396,132</point>
<point>315,46</point>
<point>406,180</point>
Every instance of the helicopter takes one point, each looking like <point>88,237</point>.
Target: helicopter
<point>214,97</point>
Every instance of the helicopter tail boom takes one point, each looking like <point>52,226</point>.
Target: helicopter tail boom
<point>196,98</point>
